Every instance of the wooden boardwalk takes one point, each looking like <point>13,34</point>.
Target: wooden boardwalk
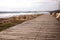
<point>44,27</point>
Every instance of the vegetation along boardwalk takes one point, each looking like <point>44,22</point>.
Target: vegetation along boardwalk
<point>44,27</point>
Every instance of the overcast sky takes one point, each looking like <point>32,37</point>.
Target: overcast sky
<point>28,5</point>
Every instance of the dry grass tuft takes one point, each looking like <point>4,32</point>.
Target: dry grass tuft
<point>9,22</point>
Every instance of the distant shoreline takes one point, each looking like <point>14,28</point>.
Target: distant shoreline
<point>7,15</point>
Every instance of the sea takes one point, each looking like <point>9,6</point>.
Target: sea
<point>7,15</point>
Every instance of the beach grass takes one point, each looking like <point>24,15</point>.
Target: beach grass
<point>9,22</point>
